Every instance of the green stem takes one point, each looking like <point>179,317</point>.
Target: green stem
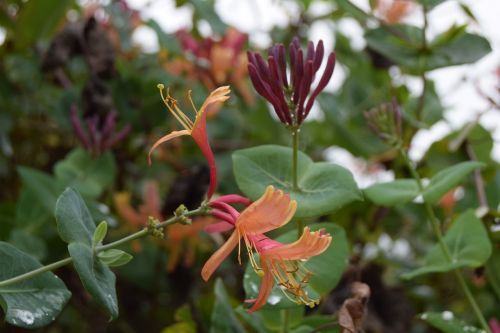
<point>65,261</point>
<point>444,248</point>
<point>284,321</point>
<point>295,148</point>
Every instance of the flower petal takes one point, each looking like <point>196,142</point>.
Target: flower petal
<point>273,210</point>
<point>166,138</point>
<point>308,245</point>
<point>266,286</point>
<point>216,259</point>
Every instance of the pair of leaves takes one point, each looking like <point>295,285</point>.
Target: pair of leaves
<point>468,243</point>
<point>401,191</point>
<point>327,268</point>
<point>403,44</point>
<point>323,187</point>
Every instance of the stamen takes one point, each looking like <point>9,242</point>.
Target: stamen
<point>191,101</point>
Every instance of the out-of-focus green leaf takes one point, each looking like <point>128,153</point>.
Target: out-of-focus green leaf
<point>96,277</point>
<point>468,243</point>
<point>166,41</point>
<point>446,322</point>
<point>253,320</point>
<point>429,4</point>
<point>204,9</point>
<point>273,319</point>
<point>447,179</point>
<point>39,19</point>
<point>327,268</point>
<point>89,175</point>
<point>42,185</point>
<point>223,317</point>
<point>393,193</point>
<point>430,112</point>
<point>34,302</point>
<point>493,271</point>
<point>324,187</point>
<point>28,243</point>
<point>74,222</point>
<point>351,9</point>
<point>403,45</point>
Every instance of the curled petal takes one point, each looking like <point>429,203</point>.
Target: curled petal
<point>273,210</point>
<point>219,227</point>
<point>216,259</point>
<point>308,245</point>
<point>266,286</point>
<point>166,138</point>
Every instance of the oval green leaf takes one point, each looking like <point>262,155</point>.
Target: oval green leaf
<point>446,322</point>
<point>32,303</point>
<point>468,243</point>
<point>324,187</point>
<point>392,193</point>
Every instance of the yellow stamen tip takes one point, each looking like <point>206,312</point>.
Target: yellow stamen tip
<point>161,86</point>
<point>260,273</point>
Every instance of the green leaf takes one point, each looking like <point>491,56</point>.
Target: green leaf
<point>429,4</point>
<point>393,193</point>
<point>468,243</point>
<point>74,222</point>
<point>327,268</point>
<point>403,45</point>
<point>29,243</point>
<point>39,19</point>
<point>493,272</point>
<point>447,179</point>
<point>42,185</point>
<point>34,302</point>
<point>324,187</point>
<point>114,257</point>
<point>99,234</point>
<point>223,317</point>
<point>96,277</point>
<point>87,174</point>
<point>446,322</point>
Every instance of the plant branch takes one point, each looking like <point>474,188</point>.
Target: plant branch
<point>139,234</point>
<point>435,224</point>
<point>478,179</point>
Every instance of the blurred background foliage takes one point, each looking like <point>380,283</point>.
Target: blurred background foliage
<point>79,107</point>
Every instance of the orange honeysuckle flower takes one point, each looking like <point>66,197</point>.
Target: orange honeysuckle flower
<point>283,263</point>
<point>273,210</point>
<point>196,129</point>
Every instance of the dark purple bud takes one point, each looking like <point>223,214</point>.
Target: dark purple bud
<point>262,68</point>
<point>278,88</point>
<point>94,133</point>
<point>318,57</point>
<point>110,142</point>
<point>304,90</point>
<point>78,129</point>
<point>292,52</point>
<point>330,65</point>
<point>310,51</point>
<point>109,124</point>
<point>299,73</point>
<point>282,64</point>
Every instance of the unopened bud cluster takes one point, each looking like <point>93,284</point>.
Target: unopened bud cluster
<point>385,121</point>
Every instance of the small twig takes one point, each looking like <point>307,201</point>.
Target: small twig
<point>478,179</point>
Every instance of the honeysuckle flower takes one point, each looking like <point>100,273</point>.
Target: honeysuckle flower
<point>197,129</point>
<point>271,211</point>
<point>279,263</point>
<point>291,97</point>
<point>214,62</point>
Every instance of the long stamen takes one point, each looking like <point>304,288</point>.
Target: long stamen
<point>191,101</point>
<point>171,105</point>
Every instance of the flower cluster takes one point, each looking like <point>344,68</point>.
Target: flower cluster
<point>290,94</point>
<point>279,262</point>
<point>97,136</point>
<point>386,122</point>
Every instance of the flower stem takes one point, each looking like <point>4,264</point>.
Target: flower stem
<point>284,321</point>
<point>63,262</point>
<point>435,224</point>
<point>295,148</point>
